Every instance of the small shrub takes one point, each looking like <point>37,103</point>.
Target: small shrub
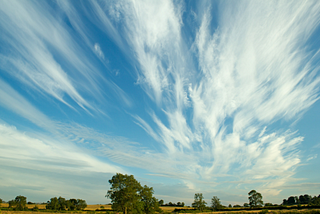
<point>35,208</point>
<point>101,207</point>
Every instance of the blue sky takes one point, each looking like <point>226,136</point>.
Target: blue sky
<point>217,97</point>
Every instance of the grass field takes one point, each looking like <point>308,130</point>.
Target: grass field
<point>166,209</point>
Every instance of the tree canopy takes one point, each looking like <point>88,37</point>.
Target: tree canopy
<point>128,196</point>
<point>19,203</point>
<point>199,203</point>
<point>63,204</point>
<point>215,203</point>
<point>255,198</point>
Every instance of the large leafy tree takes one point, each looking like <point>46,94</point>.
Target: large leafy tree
<point>255,198</point>
<point>128,196</point>
<point>19,203</point>
<point>215,203</point>
<point>198,202</point>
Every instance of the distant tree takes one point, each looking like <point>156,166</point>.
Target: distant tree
<point>245,205</point>
<point>182,204</point>
<point>199,203</point>
<point>19,203</point>
<point>53,204</point>
<point>71,204</point>
<point>1,202</point>
<point>35,208</point>
<point>81,204</point>
<point>236,205</point>
<point>268,204</point>
<point>215,203</point>
<point>229,205</point>
<point>170,203</point>
<point>62,203</point>
<point>255,198</point>
<point>161,202</point>
<point>305,199</point>
<point>315,200</point>
<point>284,202</point>
<point>292,200</point>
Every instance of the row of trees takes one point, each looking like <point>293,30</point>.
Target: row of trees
<point>302,199</point>
<point>255,200</point>
<point>20,203</point>
<point>63,204</point>
<point>170,204</point>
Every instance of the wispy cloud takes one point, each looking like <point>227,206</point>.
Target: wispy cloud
<point>45,56</point>
<point>12,100</point>
<point>253,71</point>
<point>42,152</point>
<point>98,50</point>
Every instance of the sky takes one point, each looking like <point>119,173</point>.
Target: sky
<point>212,97</point>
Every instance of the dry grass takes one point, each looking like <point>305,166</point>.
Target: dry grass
<point>97,206</point>
<point>43,206</point>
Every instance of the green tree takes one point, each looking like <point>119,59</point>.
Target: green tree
<point>245,205</point>
<point>255,198</point>
<point>53,204</point>
<point>215,203</point>
<point>71,204</point>
<point>1,202</point>
<point>150,203</point>
<point>81,204</point>
<point>62,203</point>
<point>161,202</point>
<point>199,203</point>
<point>19,203</point>
<point>128,196</point>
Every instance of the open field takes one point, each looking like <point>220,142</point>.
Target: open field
<point>43,206</point>
<point>166,209</point>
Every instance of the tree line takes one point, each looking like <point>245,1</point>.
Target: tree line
<point>20,204</point>
<point>302,199</point>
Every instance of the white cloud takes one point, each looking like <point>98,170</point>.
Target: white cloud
<point>40,152</point>
<point>98,50</point>
<point>13,101</point>
<point>47,57</point>
<point>312,157</point>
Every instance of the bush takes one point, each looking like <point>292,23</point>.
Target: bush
<point>35,208</point>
